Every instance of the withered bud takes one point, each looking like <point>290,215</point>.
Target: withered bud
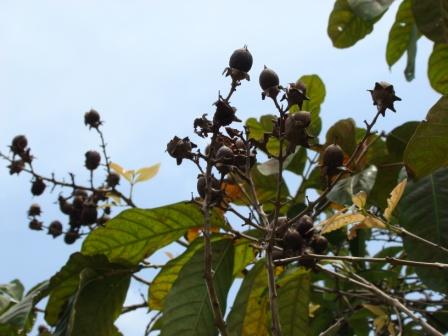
<point>92,119</point>
<point>93,159</point>
<point>55,229</point>
<point>38,186</point>
<point>35,225</point>
<point>89,213</point>
<point>203,126</point>
<point>224,114</point>
<point>296,94</point>
<point>71,236</point>
<point>19,144</point>
<point>16,167</point>
<point>180,148</point>
<point>113,180</point>
<point>34,210</point>
<point>383,96</point>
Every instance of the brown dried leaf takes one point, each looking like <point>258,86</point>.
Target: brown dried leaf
<point>340,220</point>
<point>394,198</point>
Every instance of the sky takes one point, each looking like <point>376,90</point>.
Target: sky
<point>150,68</point>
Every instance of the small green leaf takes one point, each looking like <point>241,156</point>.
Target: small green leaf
<point>438,69</point>
<point>249,312</point>
<point>345,28</point>
<point>343,133</point>
<point>432,19</point>
<point>187,308</point>
<point>137,233</point>
<point>244,254</point>
<point>147,173</point>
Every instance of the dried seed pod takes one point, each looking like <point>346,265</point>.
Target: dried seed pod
<point>93,159</point>
<point>295,125</point>
<point>305,226</point>
<point>38,187</point>
<point>269,83</point>
<point>19,144</point>
<point>55,229</point>
<point>71,236</point>
<point>216,193</point>
<point>333,156</point>
<point>292,240</point>
<point>35,225</point>
<point>319,244</point>
<point>180,148</point>
<point>16,167</point>
<point>92,119</point>
<point>89,213</point>
<point>296,94</point>
<point>241,59</point>
<point>112,180</point>
<point>34,210</point>
<point>65,207</point>
<point>282,227</point>
<point>383,96</point>
<point>224,114</point>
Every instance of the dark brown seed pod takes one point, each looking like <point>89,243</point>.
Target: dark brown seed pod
<point>19,144</point>
<point>89,213</point>
<point>34,210</point>
<point>269,83</point>
<point>319,244</point>
<point>296,94</point>
<point>305,226</point>
<point>93,159</point>
<point>65,207</point>
<point>35,225</point>
<point>282,227</point>
<point>224,155</point>
<point>78,202</point>
<point>92,119</point>
<point>16,167</point>
<point>241,59</point>
<point>292,240</point>
<point>180,149</point>
<point>216,193</point>
<point>333,156</point>
<point>383,96</point>
<point>71,236</point>
<point>55,229</point>
<point>113,180</point>
<point>307,262</point>
<point>224,114</point>
<point>38,187</point>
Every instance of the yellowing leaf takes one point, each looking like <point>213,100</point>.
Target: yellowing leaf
<point>312,308</point>
<point>368,222</point>
<point>340,220</point>
<point>192,234</point>
<point>394,198</point>
<point>376,310</point>
<point>360,199</point>
<point>147,173</point>
<point>127,174</point>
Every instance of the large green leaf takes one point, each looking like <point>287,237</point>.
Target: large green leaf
<point>249,313</point>
<point>293,302</point>
<point>345,27</point>
<point>98,303</point>
<point>136,233</point>
<point>10,293</point>
<point>266,188</point>
<point>432,18</point>
<point>428,148</point>
<point>187,309</point>
<point>343,133</point>
<point>20,316</point>
<point>398,139</point>
<point>400,34</point>
<point>343,191</point>
<point>315,90</point>
<point>164,280</point>
<point>369,9</point>
<point>438,68</point>
<point>423,211</point>
<point>65,283</point>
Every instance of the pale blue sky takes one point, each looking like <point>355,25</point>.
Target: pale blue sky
<point>149,68</point>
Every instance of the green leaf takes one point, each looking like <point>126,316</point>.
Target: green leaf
<point>266,188</point>
<point>427,150</point>
<point>343,191</point>
<point>409,71</point>
<point>398,139</point>
<point>343,133</point>
<point>432,18</point>
<point>438,69</point>
<point>249,312</point>
<point>20,315</point>
<point>244,254</point>
<point>98,303</point>
<point>400,33</point>
<point>10,293</point>
<point>295,163</point>
<point>345,28</point>
<point>164,280</point>
<point>293,302</point>
<point>423,211</point>
<point>65,283</point>
<point>187,308</point>
<point>137,233</point>
<point>315,90</point>
<point>369,9</point>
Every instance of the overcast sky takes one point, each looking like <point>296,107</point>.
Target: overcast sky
<point>150,68</point>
